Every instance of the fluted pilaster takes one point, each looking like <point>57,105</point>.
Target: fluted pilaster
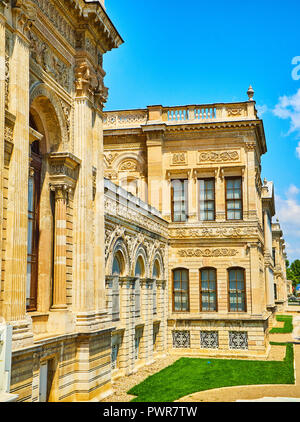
<point>59,282</point>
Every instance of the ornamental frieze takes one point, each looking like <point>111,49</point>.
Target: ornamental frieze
<point>232,232</point>
<point>189,253</point>
<point>218,157</point>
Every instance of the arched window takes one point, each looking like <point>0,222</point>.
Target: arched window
<point>208,290</point>
<point>156,276</point>
<point>237,290</point>
<point>139,268</point>
<point>34,192</point>
<point>180,290</point>
<point>116,269</point>
<point>139,272</point>
<point>156,270</point>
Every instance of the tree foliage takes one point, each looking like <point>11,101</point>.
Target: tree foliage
<point>293,271</point>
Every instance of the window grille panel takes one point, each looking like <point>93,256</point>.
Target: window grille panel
<point>238,340</point>
<point>209,339</point>
<point>181,339</point>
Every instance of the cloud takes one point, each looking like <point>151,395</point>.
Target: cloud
<point>288,213</point>
<point>288,107</point>
<point>261,109</point>
<point>292,190</point>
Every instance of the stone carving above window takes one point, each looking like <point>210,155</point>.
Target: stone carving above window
<point>179,158</point>
<point>218,157</point>
<point>186,253</point>
<point>128,165</point>
<point>238,340</point>
<point>209,339</point>
<point>181,339</point>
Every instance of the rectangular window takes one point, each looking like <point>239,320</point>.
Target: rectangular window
<point>180,290</point>
<point>208,290</point>
<point>274,255</point>
<point>207,199</point>
<point>179,200</point>
<point>33,232</point>
<point>234,203</point>
<point>237,290</point>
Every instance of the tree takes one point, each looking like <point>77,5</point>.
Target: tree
<point>293,271</point>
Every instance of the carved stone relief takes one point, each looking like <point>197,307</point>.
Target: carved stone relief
<point>235,111</point>
<point>179,158</point>
<point>43,56</point>
<point>189,253</point>
<point>128,165</point>
<point>59,22</point>
<point>233,232</point>
<point>218,157</point>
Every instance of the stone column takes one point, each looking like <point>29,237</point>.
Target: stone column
<point>17,209</point>
<point>99,235</point>
<point>60,226</point>
<point>84,298</point>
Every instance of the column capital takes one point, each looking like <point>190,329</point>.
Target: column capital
<point>61,190</point>
<point>64,169</point>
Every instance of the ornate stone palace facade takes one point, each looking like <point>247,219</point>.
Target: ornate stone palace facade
<point>176,253</point>
<point>200,166</point>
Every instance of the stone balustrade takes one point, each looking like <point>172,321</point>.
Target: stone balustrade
<point>206,113</point>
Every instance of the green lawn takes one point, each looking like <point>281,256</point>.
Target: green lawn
<point>189,375</point>
<point>288,324</point>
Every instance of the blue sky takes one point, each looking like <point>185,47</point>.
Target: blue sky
<point>195,52</point>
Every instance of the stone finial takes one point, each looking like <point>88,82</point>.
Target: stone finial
<point>265,182</point>
<point>250,93</point>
